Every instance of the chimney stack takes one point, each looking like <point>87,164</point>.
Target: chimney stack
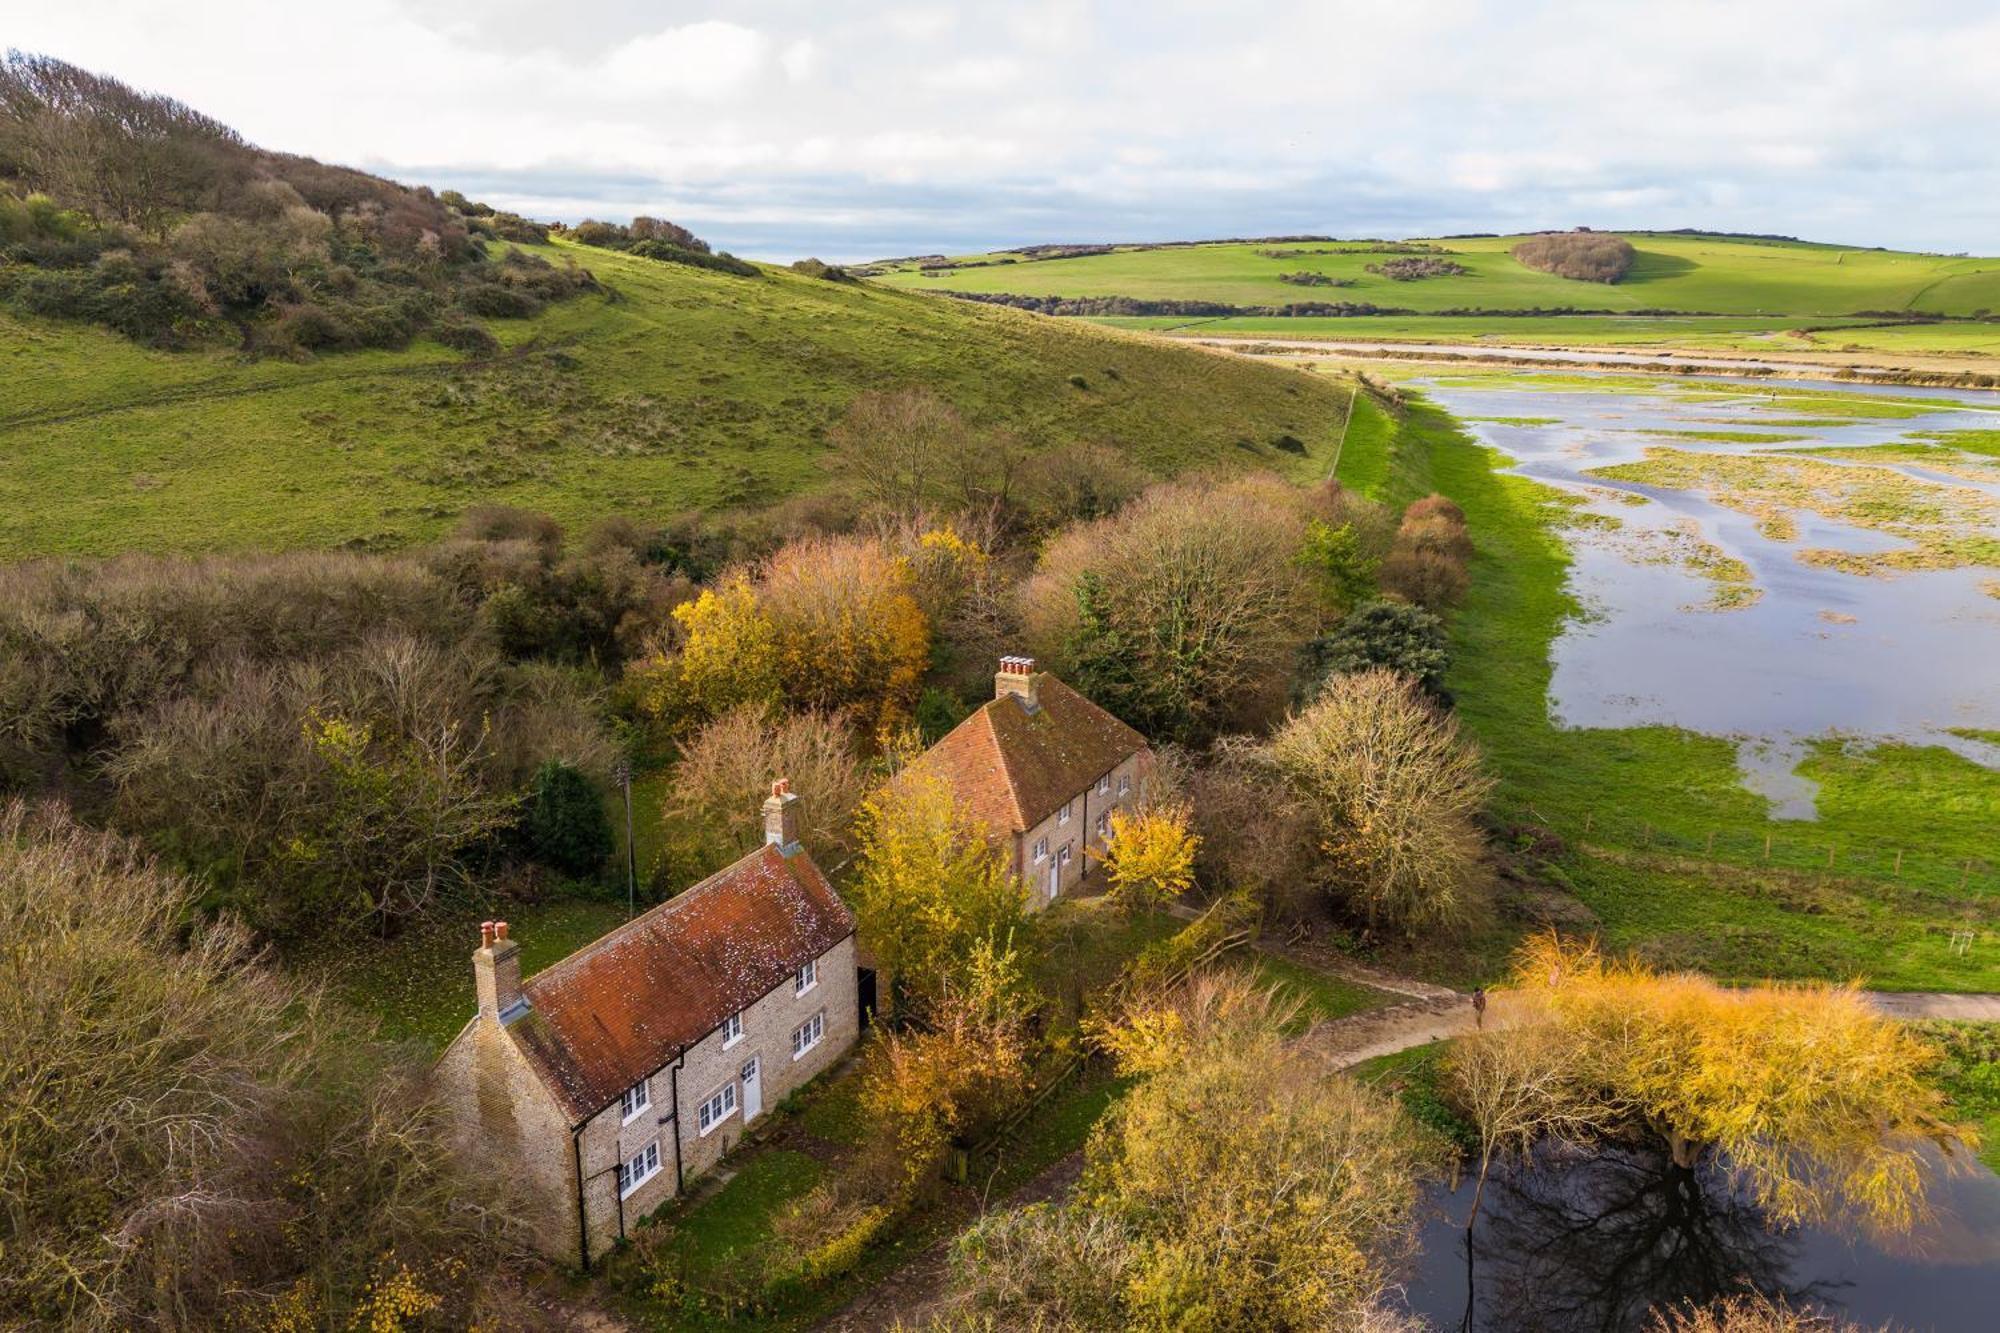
<point>781,817</point>
<point>496,972</point>
<point>1017,677</point>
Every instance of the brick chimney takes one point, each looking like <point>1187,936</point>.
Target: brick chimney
<point>781,817</point>
<point>1017,677</point>
<point>496,972</point>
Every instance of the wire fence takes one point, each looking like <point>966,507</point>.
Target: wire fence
<point>1950,885</point>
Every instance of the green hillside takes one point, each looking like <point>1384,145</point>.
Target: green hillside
<point>674,388</point>
<point>1695,274</point>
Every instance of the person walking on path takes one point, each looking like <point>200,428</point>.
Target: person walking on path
<point>1479,1007</point>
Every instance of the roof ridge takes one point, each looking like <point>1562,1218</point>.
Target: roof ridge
<point>659,911</point>
<point>1000,753</point>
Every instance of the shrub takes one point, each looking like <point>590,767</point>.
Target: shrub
<point>1150,861</point>
<point>1415,270</point>
<point>1586,256</point>
<point>566,824</point>
<point>463,335</point>
<point>1403,638</point>
<point>846,627</point>
<point>1427,561</point>
<point>814,268</point>
<point>1393,793</point>
<point>727,767</point>
<point>258,1161</point>
<point>1185,612</point>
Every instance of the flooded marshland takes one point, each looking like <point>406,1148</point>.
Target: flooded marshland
<point>1773,563</point>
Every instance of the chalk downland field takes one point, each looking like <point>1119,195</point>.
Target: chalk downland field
<point>1723,292</point>
<point>674,389</point>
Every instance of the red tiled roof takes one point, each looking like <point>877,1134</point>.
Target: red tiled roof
<point>1012,768</point>
<point>618,1009</point>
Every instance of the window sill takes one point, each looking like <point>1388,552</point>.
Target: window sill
<point>733,1042</point>
<point>803,1052</point>
<point>638,1184</point>
<point>714,1125</point>
<point>635,1115</point>
<point>805,990</point>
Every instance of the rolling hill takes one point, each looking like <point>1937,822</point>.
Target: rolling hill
<point>671,388</point>
<point>1678,272</point>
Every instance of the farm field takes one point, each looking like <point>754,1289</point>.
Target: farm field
<point>675,389</point>
<point>1712,275</point>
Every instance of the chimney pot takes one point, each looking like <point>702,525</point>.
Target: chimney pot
<point>781,817</point>
<point>1017,677</point>
<point>496,970</point>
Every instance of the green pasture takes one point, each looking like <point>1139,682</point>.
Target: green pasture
<point>675,389</point>
<point>1695,274</point>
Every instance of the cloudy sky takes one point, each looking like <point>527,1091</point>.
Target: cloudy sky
<point>851,130</point>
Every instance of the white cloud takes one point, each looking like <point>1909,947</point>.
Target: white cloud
<point>844,129</point>
<point>706,60</point>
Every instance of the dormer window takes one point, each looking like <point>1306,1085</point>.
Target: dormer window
<point>732,1030</point>
<point>1104,785</point>
<point>634,1100</point>
<point>1064,815</point>
<point>1124,784</point>
<point>806,978</point>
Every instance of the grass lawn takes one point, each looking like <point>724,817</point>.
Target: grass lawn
<point>1324,997</point>
<point>1970,1076</point>
<point>419,984</point>
<point>1638,806</point>
<point>675,389</point>
<point>1703,275</point>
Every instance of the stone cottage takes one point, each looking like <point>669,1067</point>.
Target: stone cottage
<point>1043,768</point>
<point>608,1081</point>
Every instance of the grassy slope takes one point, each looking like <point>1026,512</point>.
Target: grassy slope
<point>681,389</point>
<point>1638,805</point>
<point>1684,273</point>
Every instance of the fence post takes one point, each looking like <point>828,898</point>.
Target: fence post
<point>1899,863</point>
<point>1829,856</point>
<point>1767,846</point>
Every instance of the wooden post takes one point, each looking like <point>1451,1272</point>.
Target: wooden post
<point>1829,857</point>
<point>1899,862</point>
<point>1767,846</point>
<point>1710,850</point>
<point>1588,815</point>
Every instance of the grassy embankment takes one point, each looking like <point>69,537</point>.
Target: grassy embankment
<point>1737,294</point>
<point>1640,808</point>
<point>676,389</point>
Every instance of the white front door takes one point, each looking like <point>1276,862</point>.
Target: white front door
<point>1055,878</point>
<point>753,1089</point>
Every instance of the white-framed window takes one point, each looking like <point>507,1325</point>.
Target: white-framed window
<point>809,1034</point>
<point>639,1168</point>
<point>1124,784</point>
<point>1103,823</point>
<point>1062,857</point>
<point>732,1029</point>
<point>634,1100</point>
<point>806,978</point>
<point>1041,850</point>
<point>1063,815</point>
<point>1104,785</point>
<point>717,1108</point>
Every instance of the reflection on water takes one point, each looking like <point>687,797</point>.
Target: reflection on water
<point>1590,1244</point>
<point>1821,652</point>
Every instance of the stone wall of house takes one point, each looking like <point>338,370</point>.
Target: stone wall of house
<point>768,1025</point>
<point>1079,833</point>
<point>509,1124</point>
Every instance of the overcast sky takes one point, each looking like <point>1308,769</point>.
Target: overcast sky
<point>850,130</point>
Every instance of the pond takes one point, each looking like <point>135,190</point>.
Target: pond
<point>1771,563</point>
<point>1590,1244</point>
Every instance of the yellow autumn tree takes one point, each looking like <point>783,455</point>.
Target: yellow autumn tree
<point>1237,1187</point>
<point>1815,1102</point>
<point>1150,860</point>
<point>847,629</point>
<point>728,657</point>
<point>930,888</point>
